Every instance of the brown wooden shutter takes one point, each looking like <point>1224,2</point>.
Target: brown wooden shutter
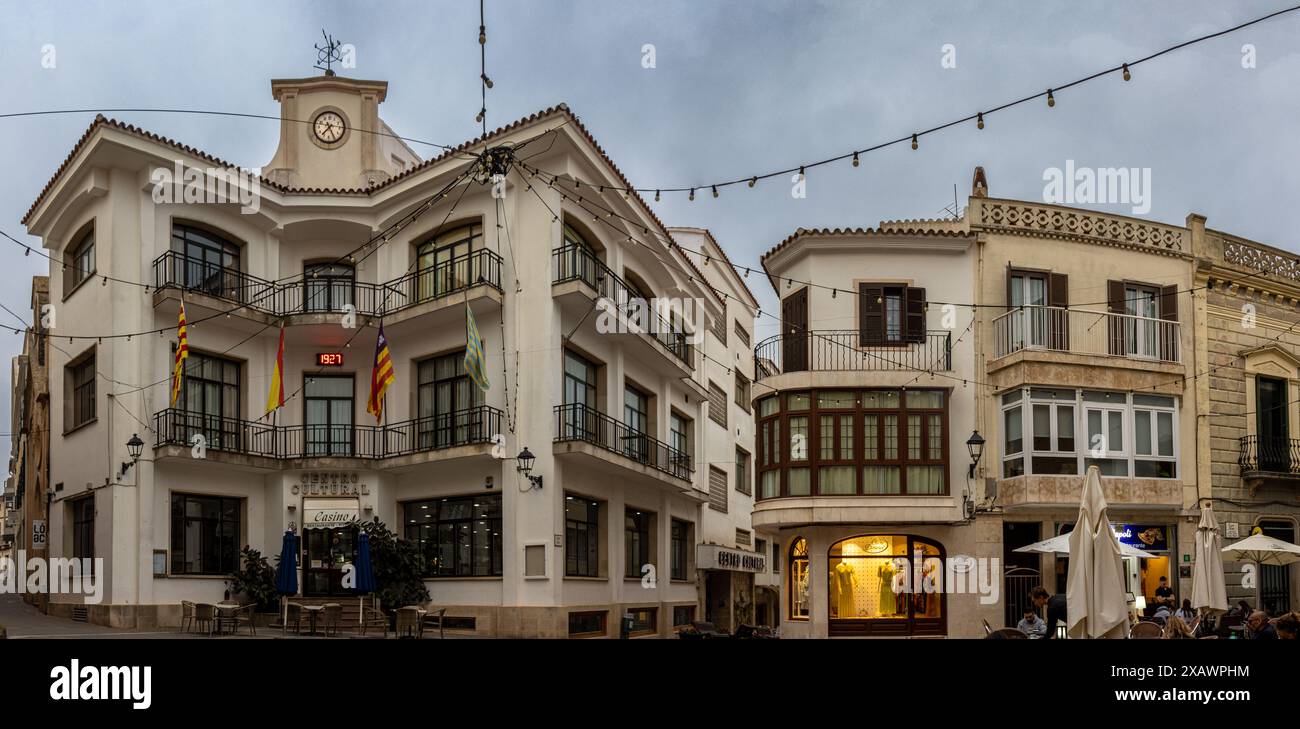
<point>1169,302</point>
<point>1169,333</point>
<point>914,323</point>
<point>1010,272</point>
<point>1115,305</point>
<point>871,320</point>
<point>1058,297</point>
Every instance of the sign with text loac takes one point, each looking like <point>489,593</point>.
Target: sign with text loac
<point>38,533</point>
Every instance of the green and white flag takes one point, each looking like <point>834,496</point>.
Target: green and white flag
<point>475,360</point>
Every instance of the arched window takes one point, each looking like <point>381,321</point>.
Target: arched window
<point>799,579</point>
<point>446,261</point>
<point>886,584</point>
<point>210,262</point>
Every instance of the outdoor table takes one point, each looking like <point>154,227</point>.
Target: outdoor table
<point>312,611</point>
<point>225,615</point>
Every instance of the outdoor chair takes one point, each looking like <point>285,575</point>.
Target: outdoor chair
<point>436,617</point>
<point>333,617</point>
<point>244,615</point>
<point>187,615</point>
<point>409,622</point>
<point>1007,634</point>
<point>293,616</point>
<point>205,614</point>
<point>372,617</point>
<point>1146,630</point>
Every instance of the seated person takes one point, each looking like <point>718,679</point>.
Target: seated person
<point>1032,625</point>
<point>1164,594</point>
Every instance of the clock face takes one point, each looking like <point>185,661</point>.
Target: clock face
<point>328,127</point>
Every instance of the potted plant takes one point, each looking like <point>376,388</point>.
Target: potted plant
<point>398,566</point>
<point>254,581</point>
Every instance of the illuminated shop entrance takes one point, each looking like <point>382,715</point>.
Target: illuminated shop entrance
<point>886,584</point>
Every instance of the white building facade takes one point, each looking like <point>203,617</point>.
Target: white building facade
<point>349,229</point>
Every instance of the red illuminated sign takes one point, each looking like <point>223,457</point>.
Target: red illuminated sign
<point>329,359</point>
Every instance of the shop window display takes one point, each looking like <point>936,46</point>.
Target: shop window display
<point>799,579</point>
<point>885,583</point>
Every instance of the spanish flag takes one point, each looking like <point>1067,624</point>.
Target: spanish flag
<point>182,354</point>
<point>275,398</point>
<point>475,361</point>
<point>380,377</point>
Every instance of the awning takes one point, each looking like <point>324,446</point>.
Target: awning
<point>329,513</point>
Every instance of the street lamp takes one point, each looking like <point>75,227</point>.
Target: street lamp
<point>525,467</point>
<point>133,448</point>
<point>974,446</point>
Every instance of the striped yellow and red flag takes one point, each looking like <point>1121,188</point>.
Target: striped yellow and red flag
<point>381,376</point>
<point>275,398</point>
<point>182,354</point>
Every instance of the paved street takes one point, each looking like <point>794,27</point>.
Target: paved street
<point>24,621</point>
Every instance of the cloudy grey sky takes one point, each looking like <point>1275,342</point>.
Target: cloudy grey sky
<point>739,88</point>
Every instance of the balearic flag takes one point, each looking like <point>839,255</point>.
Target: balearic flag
<point>381,376</point>
<point>275,398</point>
<point>475,362</point>
<point>182,354</point>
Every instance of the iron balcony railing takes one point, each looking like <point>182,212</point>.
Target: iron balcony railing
<point>328,293</point>
<point>1270,455</point>
<point>583,423</point>
<point>843,350</point>
<point>576,263</point>
<point>1086,332</point>
<point>258,438</point>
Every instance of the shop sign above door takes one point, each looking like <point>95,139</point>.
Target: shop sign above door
<point>331,483</point>
<point>329,513</point>
<point>714,557</point>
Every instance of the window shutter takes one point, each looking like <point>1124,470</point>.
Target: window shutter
<point>717,404</point>
<point>1010,273</point>
<point>743,538</point>
<point>1169,302</point>
<point>914,327</point>
<point>871,320</point>
<point>1115,305</point>
<point>1058,290</point>
<point>717,489</point>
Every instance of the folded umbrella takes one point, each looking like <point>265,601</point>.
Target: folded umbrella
<point>1096,602</point>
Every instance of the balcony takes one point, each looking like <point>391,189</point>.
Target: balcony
<point>1269,459</point>
<point>845,351</point>
<point>325,295</point>
<point>583,424</point>
<point>1049,328</point>
<point>258,439</point>
<point>635,316</point>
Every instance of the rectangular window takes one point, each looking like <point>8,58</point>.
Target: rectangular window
<point>580,397</point>
<point>743,484</point>
<point>637,528</point>
<point>717,489</point>
<point>1123,434</point>
<point>683,615</point>
<point>458,536</point>
<point>81,261</point>
<point>210,399</point>
<point>205,534</point>
<point>582,537</point>
<point>776,558</point>
<point>717,404</point>
<point>890,314</point>
<point>585,625</point>
<point>80,383</point>
<point>679,433</point>
<point>83,528</point>
<point>447,403</point>
<point>680,549</point>
<point>327,402</point>
<point>742,391</point>
<point>644,620</point>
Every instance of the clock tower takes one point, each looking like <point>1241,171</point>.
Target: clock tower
<point>331,135</point>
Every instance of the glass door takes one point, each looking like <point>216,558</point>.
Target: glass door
<point>1273,448</point>
<point>325,552</point>
<point>329,408</point>
<point>1031,328</point>
<point>1141,334</point>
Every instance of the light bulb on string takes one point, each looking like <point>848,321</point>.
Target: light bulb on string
<point>692,197</point>
<point>656,196</point>
<point>855,159</point>
<point>914,144</point>
<point>1127,76</point>
<point>1051,100</point>
<point>979,120</point>
<point>715,190</point>
<point>752,180</point>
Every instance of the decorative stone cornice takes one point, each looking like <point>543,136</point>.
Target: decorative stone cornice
<point>1274,263</point>
<point>1022,218</point>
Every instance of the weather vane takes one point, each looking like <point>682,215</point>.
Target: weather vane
<point>328,54</point>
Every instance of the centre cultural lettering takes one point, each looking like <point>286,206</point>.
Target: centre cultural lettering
<point>738,560</point>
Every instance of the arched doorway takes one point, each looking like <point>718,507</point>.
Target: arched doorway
<point>886,584</point>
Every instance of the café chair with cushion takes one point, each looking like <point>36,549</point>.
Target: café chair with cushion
<point>1145,630</point>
